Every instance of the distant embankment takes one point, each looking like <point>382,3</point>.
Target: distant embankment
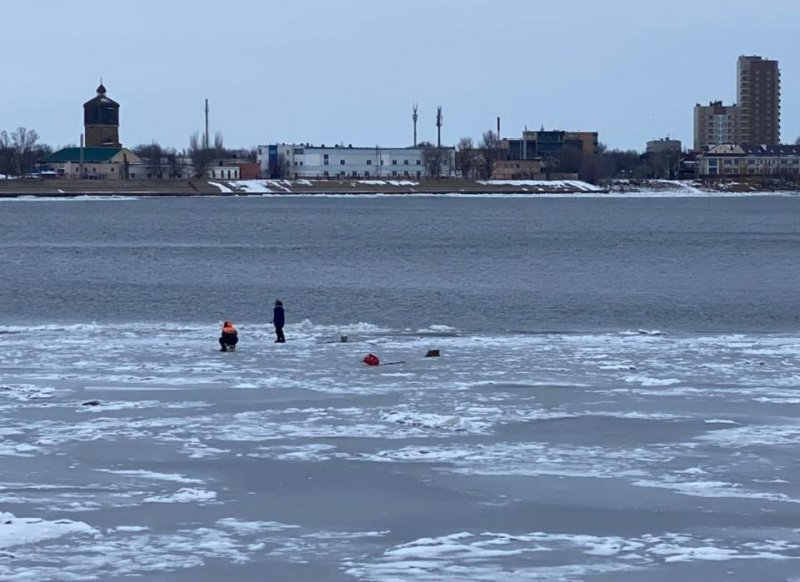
<point>15,188</point>
<point>57,188</point>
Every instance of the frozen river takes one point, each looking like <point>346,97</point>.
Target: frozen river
<point>554,439</point>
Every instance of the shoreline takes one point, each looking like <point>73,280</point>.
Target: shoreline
<point>201,188</point>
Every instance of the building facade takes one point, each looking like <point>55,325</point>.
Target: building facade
<point>295,161</point>
<point>101,121</point>
<point>715,124</point>
<point>663,146</point>
<point>746,160</point>
<point>518,170</point>
<point>233,169</point>
<point>545,143</point>
<point>95,163</point>
<point>758,92</point>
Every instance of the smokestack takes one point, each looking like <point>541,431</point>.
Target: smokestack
<point>439,127</point>
<point>498,127</point>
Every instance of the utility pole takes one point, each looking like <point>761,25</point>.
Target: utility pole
<point>439,126</point>
<point>414,118</point>
<point>205,137</point>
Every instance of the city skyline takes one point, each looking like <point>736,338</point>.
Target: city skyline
<point>351,72</point>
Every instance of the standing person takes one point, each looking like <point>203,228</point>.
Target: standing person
<point>229,337</point>
<point>278,320</point>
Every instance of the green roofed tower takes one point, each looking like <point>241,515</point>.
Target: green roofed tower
<point>101,121</point>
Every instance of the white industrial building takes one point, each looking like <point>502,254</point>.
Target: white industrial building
<point>294,161</point>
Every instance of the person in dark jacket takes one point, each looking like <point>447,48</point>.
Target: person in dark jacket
<point>229,337</point>
<point>278,320</point>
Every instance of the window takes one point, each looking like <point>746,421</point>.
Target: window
<point>355,174</point>
<point>325,162</point>
<point>369,162</point>
<point>394,162</point>
<point>341,162</point>
<point>419,162</point>
<point>366,174</point>
<point>405,173</point>
<point>325,173</point>
<point>394,172</point>
<point>405,162</point>
<point>419,173</point>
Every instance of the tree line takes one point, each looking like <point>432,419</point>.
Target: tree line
<point>20,151</point>
<point>479,161</point>
<point>21,154</point>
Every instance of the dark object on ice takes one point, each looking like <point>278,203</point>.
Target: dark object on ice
<point>371,360</point>
<point>92,403</point>
<point>432,354</point>
<point>279,320</point>
<point>343,338</point>
<point>229,337</point>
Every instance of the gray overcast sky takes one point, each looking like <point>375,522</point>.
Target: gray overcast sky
<point>326,71</point>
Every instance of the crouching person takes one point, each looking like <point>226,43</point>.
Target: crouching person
<point>229,337</point>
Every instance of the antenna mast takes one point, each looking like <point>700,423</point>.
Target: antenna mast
<point>414,118</point>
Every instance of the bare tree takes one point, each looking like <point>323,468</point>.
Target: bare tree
<point>434,159</point>
<point>199,155</point>
<point>465,157</point>
<point>7,157</point>
<point>151,154</point>
<point>24,141</point>
<point>621,164</point>
<point>490,152</point>
<point>219,146</point>
<point>172,162</point>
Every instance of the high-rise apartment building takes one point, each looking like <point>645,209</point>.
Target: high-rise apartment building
<point>758,91</point>
<point>715,124</point>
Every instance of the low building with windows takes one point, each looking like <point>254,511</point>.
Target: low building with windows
<point>95,163</point>
<point>223,172</point>
<point>339,162</point>
<point>744,160</point>
<point>543,143</point>
<point>663,146</point>
<point>518,170</point>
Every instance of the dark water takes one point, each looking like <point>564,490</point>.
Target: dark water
<point>477,264</point>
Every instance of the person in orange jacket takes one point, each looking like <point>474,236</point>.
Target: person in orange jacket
<point>229,338</point>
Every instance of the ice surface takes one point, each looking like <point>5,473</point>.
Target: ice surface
<point>300,456</point>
